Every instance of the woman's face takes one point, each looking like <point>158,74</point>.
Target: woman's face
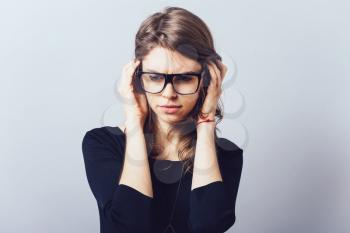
<point>162,60</point>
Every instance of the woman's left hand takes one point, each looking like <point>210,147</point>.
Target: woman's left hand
<point>214,92</point>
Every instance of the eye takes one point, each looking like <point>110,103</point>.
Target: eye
<point>155,77</point>
<point>184,78</point>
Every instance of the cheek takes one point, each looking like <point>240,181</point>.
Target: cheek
<point>151,101</point>
<point>189,103</point>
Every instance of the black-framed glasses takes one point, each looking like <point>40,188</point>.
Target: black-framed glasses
<point>183,83</point>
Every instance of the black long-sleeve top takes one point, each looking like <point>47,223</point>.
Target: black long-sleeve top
<point>123,209</point>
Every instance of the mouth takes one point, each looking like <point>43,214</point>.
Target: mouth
<point>170,108</point>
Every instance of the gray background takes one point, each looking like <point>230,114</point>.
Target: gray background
<point>288,107</point>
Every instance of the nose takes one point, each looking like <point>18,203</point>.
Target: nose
<point>169,91</point>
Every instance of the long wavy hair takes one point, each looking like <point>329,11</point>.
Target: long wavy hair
<point>179,30</point>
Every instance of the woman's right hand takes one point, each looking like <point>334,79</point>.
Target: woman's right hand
<point>135,105</point>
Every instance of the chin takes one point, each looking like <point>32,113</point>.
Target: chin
<point>171,118</point>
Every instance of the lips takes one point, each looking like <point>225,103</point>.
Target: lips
<point>170,106</point>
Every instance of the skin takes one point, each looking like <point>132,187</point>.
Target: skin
<point>206,168</point>
<point>163,60</point>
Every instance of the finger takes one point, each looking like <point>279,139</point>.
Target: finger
<point>213,81</point>
<point>129,71</point>
<point>223,69</point>
<point>217,75</point>
<point>125,84</point>
<point>218,89</point>
<point>131,66</point>
<point>135,63</point>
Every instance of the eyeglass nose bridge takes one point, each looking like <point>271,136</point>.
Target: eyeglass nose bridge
<point>169,79</point>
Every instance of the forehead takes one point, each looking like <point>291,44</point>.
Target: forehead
<point>163,60</point>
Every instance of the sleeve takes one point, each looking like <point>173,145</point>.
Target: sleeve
<point>212,206</point>
<point>122,205</point>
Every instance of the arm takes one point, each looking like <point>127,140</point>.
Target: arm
<point>136,172</point>
<point>121,204</point>
<point>206,168</point>
<point>213,195</point>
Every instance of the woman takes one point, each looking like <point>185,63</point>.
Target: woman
<point>166,170</point>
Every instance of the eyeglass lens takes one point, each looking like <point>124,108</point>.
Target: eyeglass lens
<point>183,84</point>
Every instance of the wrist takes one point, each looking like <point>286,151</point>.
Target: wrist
<point>208,123</point>
<point>131,126</point>
<point>205,120</point>
<point>205,129</point>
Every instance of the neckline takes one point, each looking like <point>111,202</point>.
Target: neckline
<point>166,160</point>
<point>154,159</point>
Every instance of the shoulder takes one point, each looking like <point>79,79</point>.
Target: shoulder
<point>105,133</point>
<point>103,139</point>
<point>227,145</point>
<point>229,153</point>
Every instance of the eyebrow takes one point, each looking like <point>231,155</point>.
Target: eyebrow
<point>188,72</point>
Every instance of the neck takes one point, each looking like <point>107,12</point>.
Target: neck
<point>162,130</point>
